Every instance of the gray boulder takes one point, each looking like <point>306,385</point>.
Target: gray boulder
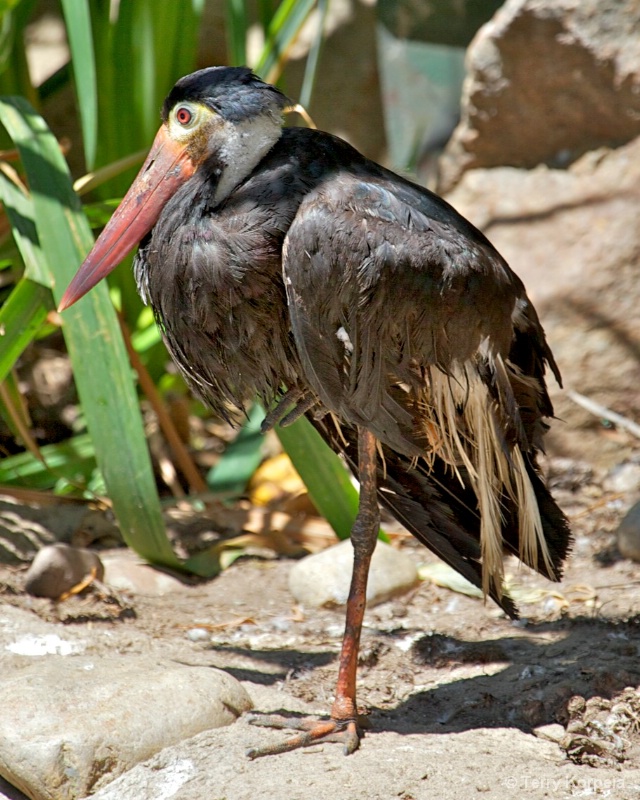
<point>547,81</point>
<point>71,725</point>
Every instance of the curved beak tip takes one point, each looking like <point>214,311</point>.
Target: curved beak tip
<point>64,304</point>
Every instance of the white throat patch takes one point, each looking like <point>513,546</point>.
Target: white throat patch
<point>246,144</point>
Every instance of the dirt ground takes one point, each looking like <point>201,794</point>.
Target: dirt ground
<point>454,691</point>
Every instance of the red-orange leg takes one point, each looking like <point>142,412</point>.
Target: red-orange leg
<point>343,725</point>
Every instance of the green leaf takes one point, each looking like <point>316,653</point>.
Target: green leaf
<point>12,404</point>
<point>72,461</point>
<point>284,27</point>
<point>14,69</point>
<point>237,28</point>
<point>325,476</point>
<point>311,66</point>
<point>101,368</point>
<point>19,209</point>
<point>78,22</point>
<point>20,319</point>
<point>241,459</point>
<point>7,5</point>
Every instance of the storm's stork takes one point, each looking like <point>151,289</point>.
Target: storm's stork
<point>282,263</point>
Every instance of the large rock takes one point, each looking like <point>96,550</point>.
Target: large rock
<point>548,80</point>
<point>71,725</point>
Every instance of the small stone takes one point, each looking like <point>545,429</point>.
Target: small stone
<point>57,568</point>
<point>198,635</point>
<point>323,579</point>
<point>71,725</point>
<point>552,733</point>
<point>623,478</point>
<point>628,534</point>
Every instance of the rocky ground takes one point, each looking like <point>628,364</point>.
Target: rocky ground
<point>460,700</point>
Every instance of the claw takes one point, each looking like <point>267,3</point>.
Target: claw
<point>283,414</point>
<point>347,732</point>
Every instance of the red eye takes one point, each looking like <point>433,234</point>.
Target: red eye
<point>184,116</point>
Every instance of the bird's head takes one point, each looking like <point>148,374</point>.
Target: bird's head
<point>223,119</point>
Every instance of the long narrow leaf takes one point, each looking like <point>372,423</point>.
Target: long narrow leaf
<point>73,459</point>
<point>13,407</point>
<point>20,319</point>
<point>324,475</point>
<point>78,22</point>
<point>176,32</point>
<point>101,368</point>
<point>314,56</point>
<point>237,27</point>
<point>241,459</point>
<point>19,209</point>
<point>285,24</point>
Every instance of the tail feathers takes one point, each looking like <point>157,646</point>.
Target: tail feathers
<point>442,512</point>
<point>448,527</point>
<point>555,526</point>
<point>435,523</point>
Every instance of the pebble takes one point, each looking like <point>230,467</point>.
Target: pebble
<point>198,635</point>
<point>628,534</point>
<point>57,568</point>
<point>554,732</point>
<point>323,579</point>
<point>70,725</point>
<point>623,478</point>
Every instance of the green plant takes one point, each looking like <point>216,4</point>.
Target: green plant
<point>115,59</point>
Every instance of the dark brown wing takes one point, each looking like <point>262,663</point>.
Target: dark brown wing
<point>378,290</point>
<point>409,323</point>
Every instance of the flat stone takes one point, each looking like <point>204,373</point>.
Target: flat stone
<point>57,568</point>
<point>125,572</point>
<point>323,579</point>
<point>388,764</point>
<point>71,725</point>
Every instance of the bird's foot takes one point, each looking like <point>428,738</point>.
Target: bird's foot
<point>283,414</point>
<point>312,731</point>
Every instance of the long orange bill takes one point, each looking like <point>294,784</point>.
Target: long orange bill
<point>165,169</point>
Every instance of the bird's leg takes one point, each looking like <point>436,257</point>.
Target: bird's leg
<point>343,725</point>
<point>283,414</point>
